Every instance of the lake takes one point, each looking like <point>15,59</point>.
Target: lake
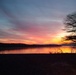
<point>41,50</point>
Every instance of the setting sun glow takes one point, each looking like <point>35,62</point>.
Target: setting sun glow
<point>35,22</point>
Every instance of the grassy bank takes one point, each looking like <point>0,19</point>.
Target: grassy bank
<point>35,64</point>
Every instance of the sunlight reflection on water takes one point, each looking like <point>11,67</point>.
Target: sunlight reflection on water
<point>45,50</point>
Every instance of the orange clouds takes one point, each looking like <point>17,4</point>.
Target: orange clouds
<point>36,39</point>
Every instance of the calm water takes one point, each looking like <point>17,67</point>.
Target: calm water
<point>46,50</point>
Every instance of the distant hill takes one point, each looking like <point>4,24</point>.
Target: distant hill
<point>12,46</point>
<point>69,44</point>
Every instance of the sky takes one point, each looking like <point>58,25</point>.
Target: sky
<point>34,21</point>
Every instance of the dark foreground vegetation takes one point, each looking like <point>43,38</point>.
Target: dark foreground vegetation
<point>51,64</point>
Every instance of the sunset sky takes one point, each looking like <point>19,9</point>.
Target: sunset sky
<point>34,21</point>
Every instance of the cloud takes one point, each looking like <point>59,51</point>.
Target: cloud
<point>36,24</point>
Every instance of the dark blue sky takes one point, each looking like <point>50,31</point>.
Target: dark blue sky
<point>33,21</point>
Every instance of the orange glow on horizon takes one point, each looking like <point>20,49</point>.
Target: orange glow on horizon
<point>37,40</point>
<point>46,50</point>
<point>57,39</point>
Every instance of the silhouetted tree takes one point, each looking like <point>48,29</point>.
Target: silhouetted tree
<point>70,27</point>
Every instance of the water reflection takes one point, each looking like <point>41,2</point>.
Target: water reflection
<point>46,50</point>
